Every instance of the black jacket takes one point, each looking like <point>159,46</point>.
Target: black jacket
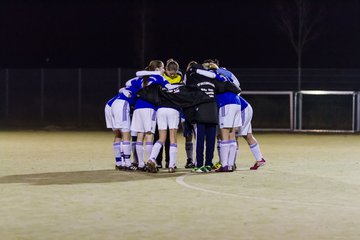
<point>196,99</point>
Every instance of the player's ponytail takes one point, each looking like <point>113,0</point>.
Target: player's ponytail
<point>153,65</point>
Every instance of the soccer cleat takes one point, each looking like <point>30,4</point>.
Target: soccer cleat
<point>189,165</point>
<point>216,166</point>
<point>136,168</point>
<point>142,169</point>
<point>132,168</point>
<point>135,164</point>
<point>223,169</point>
<point>151,167</point>
<point>119,168</point>
<point>198,170</point>
<point>194,169</point>
<point>258,164</point>
<point>202,169</point>
<point>125,168</point>
<point>171,170</point>
<point>208,168</point>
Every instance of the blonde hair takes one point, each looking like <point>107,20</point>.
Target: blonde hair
<point>190,64</point>
<point>172,65</point>
<point>209,63</point>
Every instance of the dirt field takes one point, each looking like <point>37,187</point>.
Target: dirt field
<point>61,185</point>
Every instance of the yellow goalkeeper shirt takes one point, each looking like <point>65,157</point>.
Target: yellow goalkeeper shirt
<point>173,80</point>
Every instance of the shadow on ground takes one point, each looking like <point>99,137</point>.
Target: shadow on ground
<point>80,177</point>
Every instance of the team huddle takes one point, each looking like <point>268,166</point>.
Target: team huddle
<point>206,99</point>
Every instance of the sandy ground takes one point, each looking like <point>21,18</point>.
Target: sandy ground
<point>61,185</point>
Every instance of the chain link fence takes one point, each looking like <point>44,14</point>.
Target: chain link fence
<point>75,98</point>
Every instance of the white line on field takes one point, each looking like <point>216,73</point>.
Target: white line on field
<point>180,181</point>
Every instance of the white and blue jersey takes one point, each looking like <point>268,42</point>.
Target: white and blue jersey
<point>244,103</point>
<point>227,97</point>
<point>125,94</point>
<point>136,84</point>
<point>230,76</point>
<point>112,100</point>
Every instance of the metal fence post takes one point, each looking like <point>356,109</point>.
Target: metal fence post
<point>353,122</point>
<point>291,111</point>
<point>358,111</point>
<point>300,102</point>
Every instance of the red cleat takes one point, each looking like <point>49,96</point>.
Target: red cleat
<point>258,164</point>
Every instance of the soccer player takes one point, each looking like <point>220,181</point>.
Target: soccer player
<point>246,132</point>
<point>229,117</point>
<point>173,75</point>
<point>206,115</point>
<point>144,117</point>
<point>117,115</point>
<point>168,117</point>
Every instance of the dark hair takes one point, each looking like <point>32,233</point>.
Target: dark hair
<point>154,64</point>
<point>212,61</point>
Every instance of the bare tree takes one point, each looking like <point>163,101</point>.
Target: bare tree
<point>299,21</point>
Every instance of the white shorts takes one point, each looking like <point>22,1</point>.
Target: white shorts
<point>144,120</point>
<point>167,117</point>
<point>246,116</point>
<point>230,116</point>
<point>118,115</point>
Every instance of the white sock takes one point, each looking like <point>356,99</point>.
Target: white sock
<point>117,152</point>
<point>232,153</point>
<point>173,154</point>
<point>224,153</point>
<point>140,154</point>
<point>149,147</point>
<point>155,150</point>
<point>236,154</point>
<point>126,150</point>
<point>255,149</point>
<point>189,148</point>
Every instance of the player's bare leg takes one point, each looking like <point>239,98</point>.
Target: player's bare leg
<point>255,150</point>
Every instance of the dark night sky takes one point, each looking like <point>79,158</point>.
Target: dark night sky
<point>107,33</point>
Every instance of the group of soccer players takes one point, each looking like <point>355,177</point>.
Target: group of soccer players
<point>143,99</point>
